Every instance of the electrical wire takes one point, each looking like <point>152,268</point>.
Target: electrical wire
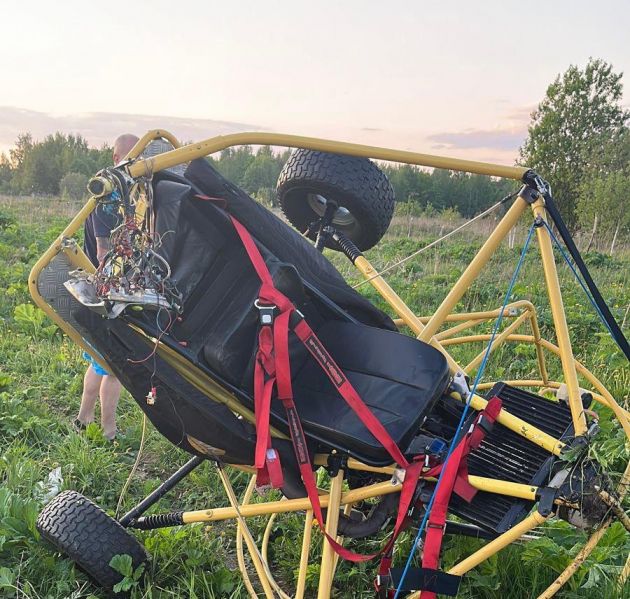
<point>136,463</point>
<point>462,420</point>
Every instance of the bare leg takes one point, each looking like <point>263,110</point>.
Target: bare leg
<point>91,385</point>
<point>110,394</point>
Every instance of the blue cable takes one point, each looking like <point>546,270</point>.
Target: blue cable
<point>478,376</point>
<point>577,276</point>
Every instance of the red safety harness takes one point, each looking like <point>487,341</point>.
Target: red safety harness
<point>272,370</point>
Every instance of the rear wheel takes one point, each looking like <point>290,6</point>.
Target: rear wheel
<point>88,536</point>
<point>360,192</point>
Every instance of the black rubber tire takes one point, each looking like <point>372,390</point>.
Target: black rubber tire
<point>355,184</point>
<point>89,537</point>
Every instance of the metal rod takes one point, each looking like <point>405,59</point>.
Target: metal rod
<point>306,545</point>
<point>239,542</point>
<point>221,142</point>
<point>533,520</point>
<point>498,341</point>
<point>289,505</point>
<point>327,569</point>
<point>254,554</point>
<point>474,268</point>
<point>560,322</point>
<point>164,488</point>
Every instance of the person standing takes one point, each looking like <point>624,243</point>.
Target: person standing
<point>97,382</point>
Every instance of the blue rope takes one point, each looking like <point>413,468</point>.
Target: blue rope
<point>478,376</point>
<point>577,276</point>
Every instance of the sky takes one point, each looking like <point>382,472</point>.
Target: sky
<point>458,78</point>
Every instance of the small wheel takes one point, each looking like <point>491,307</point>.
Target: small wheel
<point>361,192</point>
<point>88,536</point>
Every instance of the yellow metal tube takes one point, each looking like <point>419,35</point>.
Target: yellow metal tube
<point>519,426</point>
<point>249,540</point>
<point>474,268</point>
<point>518,383</point>
<point>605,398</point>
<point>532,521</point>
<point>289,505</point>
<point>498,341</point>
<point>306,546</point>
<point>458,328</point>
<point>560,322</point>
<point>484,314</point>
<point>239,542</point>
<point>215,144</point>
<point>147,138</point>
<point>327,569</point>
<point>503,487</point>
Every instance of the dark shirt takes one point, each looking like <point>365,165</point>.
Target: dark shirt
<point>100,223</point>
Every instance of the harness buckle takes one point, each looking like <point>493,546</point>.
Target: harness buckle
<point>266,313</point>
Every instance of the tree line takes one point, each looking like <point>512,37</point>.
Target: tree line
<point>62,164</point>
<point>578,139</point>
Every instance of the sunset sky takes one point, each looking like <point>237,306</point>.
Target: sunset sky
<point>458,78</point>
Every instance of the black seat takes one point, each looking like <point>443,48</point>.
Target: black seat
<point>398,377</point>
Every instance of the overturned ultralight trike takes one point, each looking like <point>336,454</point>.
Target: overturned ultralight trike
<point>243,345</point>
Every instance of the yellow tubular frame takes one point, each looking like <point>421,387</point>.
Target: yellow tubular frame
<point>426,328</point>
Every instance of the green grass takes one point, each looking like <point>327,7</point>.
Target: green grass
<point>40,385</point>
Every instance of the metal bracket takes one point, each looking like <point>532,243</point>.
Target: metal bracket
<point>336,462</point>
<point>460,385</point>
<point>529,194</point>
<point>546,498</point>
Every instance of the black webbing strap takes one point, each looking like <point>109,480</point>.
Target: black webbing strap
<point>615,329</point>
<point>426,579</point>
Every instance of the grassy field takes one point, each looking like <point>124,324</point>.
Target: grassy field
<point>40,384</point>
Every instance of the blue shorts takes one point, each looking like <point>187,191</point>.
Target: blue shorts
<point>95,365</point>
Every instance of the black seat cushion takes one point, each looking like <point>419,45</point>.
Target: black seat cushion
<point>399,378</point>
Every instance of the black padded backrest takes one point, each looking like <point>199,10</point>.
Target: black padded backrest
<point>287,245</point>
<point>212,270</point>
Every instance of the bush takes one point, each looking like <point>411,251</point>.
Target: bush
<point>73,186</point>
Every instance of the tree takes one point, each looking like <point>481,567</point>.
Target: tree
<point>73,185</point>
<point>38,167</point>
<point>581,108</point>
<point>262,172</point>
<point>604,202</point>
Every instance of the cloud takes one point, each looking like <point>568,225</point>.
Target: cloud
<point>497,139</point>
<point>99,128</point>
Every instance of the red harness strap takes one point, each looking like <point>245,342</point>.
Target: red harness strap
<point>272,368</point>
<point>453,471</point>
